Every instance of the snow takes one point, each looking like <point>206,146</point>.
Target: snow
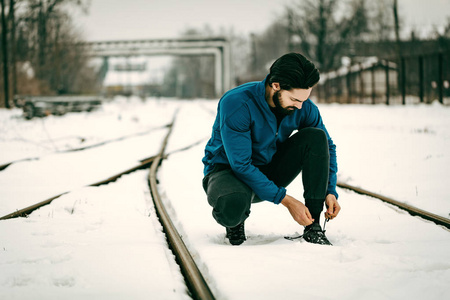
<point>93,243</point>
<point>106,243</point>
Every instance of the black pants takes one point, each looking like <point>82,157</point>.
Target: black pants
<point>306,152</point>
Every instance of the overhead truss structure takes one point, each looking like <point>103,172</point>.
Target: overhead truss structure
<point>218,47</point>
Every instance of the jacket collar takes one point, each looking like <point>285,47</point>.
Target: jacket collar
<point>261,88</point>
<point>264,106</point>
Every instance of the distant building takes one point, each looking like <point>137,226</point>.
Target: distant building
<point>364,82</point>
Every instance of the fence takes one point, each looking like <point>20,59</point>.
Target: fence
<point>407,80</point>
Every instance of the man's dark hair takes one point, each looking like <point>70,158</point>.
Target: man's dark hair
<point>293,70</point>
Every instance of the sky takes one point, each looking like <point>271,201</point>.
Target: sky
<point>141,19</point>
<point>113,19</point>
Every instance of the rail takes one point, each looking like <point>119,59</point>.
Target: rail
<point>414,211</point>
<point>145,163</point>
<point>194,279</point>
<point>121,138</point>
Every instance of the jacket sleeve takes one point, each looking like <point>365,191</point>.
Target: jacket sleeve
<point>237,141</point>
<point>314,119</point>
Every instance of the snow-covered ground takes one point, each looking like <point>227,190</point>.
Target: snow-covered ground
<point>105,242</point>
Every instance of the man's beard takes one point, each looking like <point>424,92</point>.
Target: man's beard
<point>279,107</point>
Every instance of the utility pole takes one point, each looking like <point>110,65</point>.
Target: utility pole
<point>397,29</point>
<point>5,56</point>
<point>396,22</point>
<point>400,59</point>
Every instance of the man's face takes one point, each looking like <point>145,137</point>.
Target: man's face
<point>287,101</point>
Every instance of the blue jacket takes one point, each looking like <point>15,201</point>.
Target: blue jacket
<point>245,135</point>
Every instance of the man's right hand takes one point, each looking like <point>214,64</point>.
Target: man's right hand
<point>298,210</point>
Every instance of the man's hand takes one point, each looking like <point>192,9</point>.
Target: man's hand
<point>298,210</point>
<point>333,207</point>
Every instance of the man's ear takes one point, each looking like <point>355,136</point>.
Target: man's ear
<point>276,86</point>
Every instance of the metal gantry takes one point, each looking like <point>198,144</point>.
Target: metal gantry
<point>218,47</point>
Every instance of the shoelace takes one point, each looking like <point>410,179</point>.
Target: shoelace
<point>300,236</point>
<point>324,224</point>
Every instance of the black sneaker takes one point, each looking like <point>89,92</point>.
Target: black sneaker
<point>314,234</point>
<point>236,235</point>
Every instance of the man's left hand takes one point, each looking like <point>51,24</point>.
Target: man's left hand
<point>333,207</point>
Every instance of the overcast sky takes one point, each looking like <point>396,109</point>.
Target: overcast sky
<point>140,19</point>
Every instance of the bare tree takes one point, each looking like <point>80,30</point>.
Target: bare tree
<point>12,44</point>
<point>446,32</point>
<point>269,45</point>
<point>5,55</point>
<point>49,31</point>
<point>396,27</point>
<point>327,28</point>
<point>380,18</point>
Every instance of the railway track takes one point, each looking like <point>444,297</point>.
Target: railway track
<point>118,139</point>
<point>414,211</point>
<point>195,281</point>
<point>145,163</point>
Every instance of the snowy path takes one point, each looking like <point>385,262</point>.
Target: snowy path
<point>58,173</point>
<point>27,182</point>
<point>91,243</point>
<point>96,242</point>
<point>379,251</point>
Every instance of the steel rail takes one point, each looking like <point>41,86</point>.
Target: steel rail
<point>121,138</point>
<point>194,279</point>
<point>414,211</point>
<point>145,163</point>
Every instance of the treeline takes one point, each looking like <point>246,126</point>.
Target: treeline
<point>324,30</point>
<point>38,38</point>
<point>38,52</point>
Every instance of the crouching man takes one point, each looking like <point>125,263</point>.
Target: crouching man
<point>253,154</point>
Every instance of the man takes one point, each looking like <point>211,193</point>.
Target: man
<point>252,154</point>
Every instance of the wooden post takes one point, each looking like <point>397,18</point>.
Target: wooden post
<point>373,83</point>
<point>361,84</point>
<point>421,80</point>
<point>403,79</point>
<point>349,86</point>
<point>386,68</point>
<point>440,83</point>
